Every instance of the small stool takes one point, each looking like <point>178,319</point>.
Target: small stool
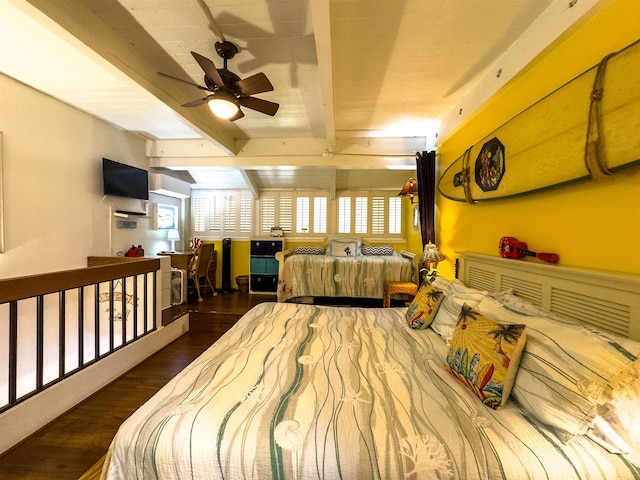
<point>393,288</point>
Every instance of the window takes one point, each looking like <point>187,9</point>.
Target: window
<point>300,213</point>
<point>361,214</point>
<point>246,214</point>
<point>344,215</point>
<point>285,212</point>
<point>370,213</point>
<point>378,216</point>
<point>395,215</point>
<point>218,213</point>
<point>268,214</point>
<point>320,215</point>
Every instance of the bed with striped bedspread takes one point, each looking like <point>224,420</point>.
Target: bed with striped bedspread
<point>301,392</point>
<point>362,276</point>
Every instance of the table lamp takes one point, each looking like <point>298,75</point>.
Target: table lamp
<point>172,236</point>
<point>430,258</point>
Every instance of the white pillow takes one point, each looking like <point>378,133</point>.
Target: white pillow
<point>456,294</point>
<point>571,374</point>
<point>343,247</point>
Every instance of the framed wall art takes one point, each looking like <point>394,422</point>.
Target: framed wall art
<point>167,217</point>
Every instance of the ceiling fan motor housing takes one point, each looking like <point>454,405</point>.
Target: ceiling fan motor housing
<point>228,78</point>
<point>226,50</point>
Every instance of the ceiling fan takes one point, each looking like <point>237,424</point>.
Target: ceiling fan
<point>227,91</point>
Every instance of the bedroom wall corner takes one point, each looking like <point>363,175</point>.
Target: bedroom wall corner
<point>54,214</point>
<point>594,224</point>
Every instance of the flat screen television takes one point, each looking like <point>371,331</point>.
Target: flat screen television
<point>123,180</point>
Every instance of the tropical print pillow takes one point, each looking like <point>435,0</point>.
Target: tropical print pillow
<point>424,307</point>
<point>485,355</point>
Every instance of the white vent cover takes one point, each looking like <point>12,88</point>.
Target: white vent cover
<point>606,300</point>
<point>125,207</point>
<point>168,186</point>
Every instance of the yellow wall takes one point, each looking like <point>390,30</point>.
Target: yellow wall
<point>595,224</point>
<point>239,260</point>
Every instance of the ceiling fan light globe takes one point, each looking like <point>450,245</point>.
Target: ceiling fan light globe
<point>222,107</point>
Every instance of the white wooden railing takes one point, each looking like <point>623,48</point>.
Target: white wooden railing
<point>56,324</point>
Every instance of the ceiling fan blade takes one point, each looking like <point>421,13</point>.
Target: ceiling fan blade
<point>237,116</point>
<point>258,83</point>
<point>259,105</point>
<point>196,103</point>
<point>209,68</point>
<point>183,81</point>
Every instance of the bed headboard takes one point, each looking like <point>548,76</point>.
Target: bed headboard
<point>609,301</point>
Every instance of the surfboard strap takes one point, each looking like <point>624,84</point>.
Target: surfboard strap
<point>595,160</point>
<point>466,176</point>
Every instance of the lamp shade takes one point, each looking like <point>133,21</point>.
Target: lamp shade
<point>222,104</point>
<point>430,254</point>
<point>172,236</point>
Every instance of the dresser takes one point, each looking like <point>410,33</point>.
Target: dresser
<point>263,266</point>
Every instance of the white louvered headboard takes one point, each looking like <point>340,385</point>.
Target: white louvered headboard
<point>605,300</point>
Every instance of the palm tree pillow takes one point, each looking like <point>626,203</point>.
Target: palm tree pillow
<point>485,355</point>
<point>424,307</point>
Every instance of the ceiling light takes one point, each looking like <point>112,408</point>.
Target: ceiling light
<point>223,104</point>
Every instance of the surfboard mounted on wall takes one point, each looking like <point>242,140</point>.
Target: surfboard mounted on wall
<point>588,128</point>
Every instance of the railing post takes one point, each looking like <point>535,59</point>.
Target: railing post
<point>155,310</point>
<point>111,314</point>
<point>123,307</point>
<point>96,321</point>
<point>135,307</point>
<point>80,327</point>
<point>62,343</point>
<point>13,351</point>
<point>39,342</point>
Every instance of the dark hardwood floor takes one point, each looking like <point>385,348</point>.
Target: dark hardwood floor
<point>70,445</point>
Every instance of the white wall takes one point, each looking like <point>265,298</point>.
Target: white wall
<point>54,216</point>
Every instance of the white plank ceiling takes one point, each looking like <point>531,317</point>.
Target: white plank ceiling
<point>362,84</point>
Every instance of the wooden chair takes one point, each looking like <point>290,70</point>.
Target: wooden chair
<point>199,268</point>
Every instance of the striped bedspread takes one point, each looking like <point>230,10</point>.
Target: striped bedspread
<point>327,276</point>
<point>308,392</point>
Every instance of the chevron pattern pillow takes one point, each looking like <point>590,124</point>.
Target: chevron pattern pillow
<point>377,250</point>
<point>305,250</point>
